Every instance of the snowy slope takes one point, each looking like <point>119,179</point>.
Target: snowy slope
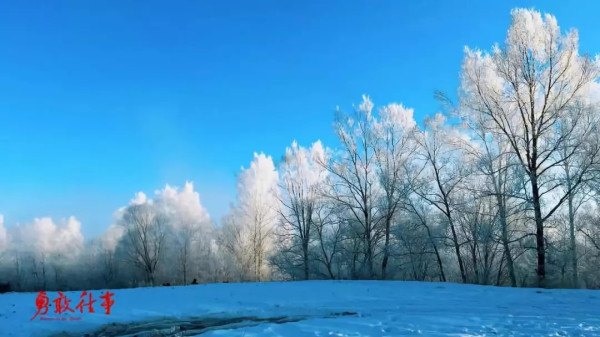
<point>323,308</point>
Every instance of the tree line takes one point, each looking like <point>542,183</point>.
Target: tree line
<point>500,188</point>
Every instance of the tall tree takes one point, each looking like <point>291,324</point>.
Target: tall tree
<point>393,148</point>
<point>234,239</point>
<point>187,239</point>
<point>572,156</point>
<point>145,229</point>
<point>257,211</point>
<point>446,168</point>
<point>496,164</point>
<point>527,88</point>
<point>355,184</point>
<point>301,183</point>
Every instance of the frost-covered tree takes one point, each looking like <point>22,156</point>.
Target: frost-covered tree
<point>302,180</point>
<point>250,224</point>
<point>329,232</point>
<point>531,89</point>
<point>189,231</point>
<point>446,167</point>
<point>355,185</point>
<point>420,215</point>
<point>393,148</point>
<point>45,251</point>
<point>109,260</point>
<point>145,229</point>
<point>496,166</point>
<point>234,240</point>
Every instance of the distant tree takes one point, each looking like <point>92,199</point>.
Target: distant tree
<point>301,198</point>
<point>249,227</point>
<point>233,239</point>
<point>146,232</point>
<point>186,238</point>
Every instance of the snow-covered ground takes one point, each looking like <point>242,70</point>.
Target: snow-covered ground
<point>322,308</point>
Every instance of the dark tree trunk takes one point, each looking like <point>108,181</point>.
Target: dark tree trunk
<point>539,234</point>
<point>456,246</point>
<point>386,250</point>
<point>505,243</point>
<point>305,258</point>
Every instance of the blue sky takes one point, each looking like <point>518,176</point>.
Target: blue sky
<point>99,100</point>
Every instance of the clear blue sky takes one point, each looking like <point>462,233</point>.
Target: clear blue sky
<point>99,100</point>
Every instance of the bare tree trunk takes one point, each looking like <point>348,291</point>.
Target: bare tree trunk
<point>539,234</point>
<point>185,273</point>
<point>439,261</point>
<point>368,237</point>
<point>505,243</point>
<point>573,248</point>
<point>508,256</point>
<point>305,258</point>
<point>432,241</point>
<point>18,271</point>
<point>499,276</point>
<point>44,273</point>
<point>571,207</point>
<point>386,248</point>
<point>456,246</point>
<point>474,257</point>
<point>327,258</point>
